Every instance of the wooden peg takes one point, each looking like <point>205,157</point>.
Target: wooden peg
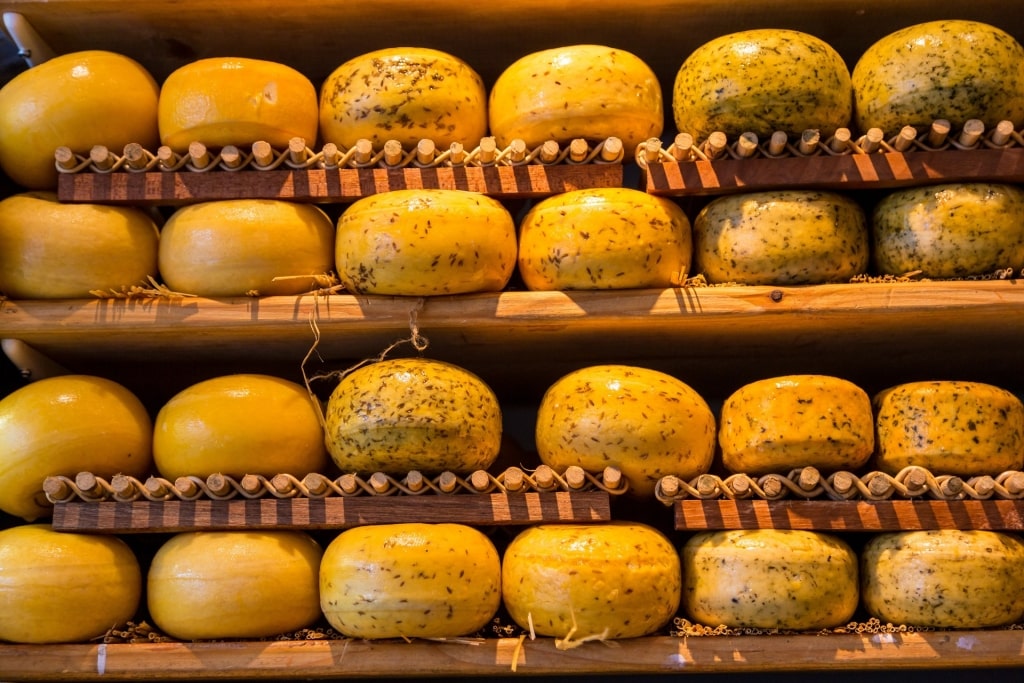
<point>612,479</point>
<point>456,154</point>
<point>972,131</point>
<point>984,486</point>
<point>809,140</point>
<point>122,487</point>
<point>715,145</point>
<point>707,486</point>
<point>486,151</point>
<point>880,486</point>
<point>517,151</point>
<point>57,490</point>
<point>575,477</point>
<point>135,157</point>
<point>251,485</point>
<point>840,141</point>
<point>298,153</point>
<point>682,147</point>
<point>904,140</point>
<point>348,483</point>
<point>746,145</point>
<point>549,151</point>
<point>262,153</point>
<point>426,152</point>
<point>951,486</point>
<point>393,153</point>
<point>668,486</point>
<point>218,484</point>
<point>331,155</point>
<point>283,485</point>
<point>916,480</point>
<point>612,151</point>
<point>777,143</point>
<point>871,141</point>
<point>231,157</point>
<point>740,486</point>
<point>198,155</point>
<point>513,479</point>
<point>380,483</point>
<point>479,481</point>
<point>808,479</point>
<point>100,158</point>
<point>544,477</point>
<point>1013,482</point>
<point>65,159</point>
<point>187,487</point>
<point>318,485</point>
<point>772,486</point>
<point>579,150</point>
<point>166,158</point>
<point>1001,133</point>
<point>938,132</point>
<point>156,488</point>
<point>842,483</point>
<point>447,482</point>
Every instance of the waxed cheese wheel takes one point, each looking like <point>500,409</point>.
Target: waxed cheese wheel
<point>646,423</point>
<point>949,427</point>
<point>950,69</point>
<point>405,94</point>
<point>407,414</point>
<point>604,238</point>
<point>762,81</point>
<point>783,423</point>
<point>425,242</point>
<point>781,237</point>
<point>945,578</point>
<point>589,92</point>
<point>599,581</point>
<point>949,230</point>
<point>769,578</point>
<point>410,580</point>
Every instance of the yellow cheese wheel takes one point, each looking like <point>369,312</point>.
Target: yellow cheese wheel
<point>589,92</point>
<point>576,581</point>
<point>65,425</point>
<point>646,423</point>
<point>949,230</point>
<point>410,580</point>
<point>63,587</point>
<point>413,414</point>
<point>948,69</point>
<point>782,423</point>
<point>234,584</point>
<point>604,238</point>
<point>425,242</point>
<point>762,81</point>
<point>237,101</point>
<point>781,237</point>
<point>76,100</point>
<point>949,427</point>
<point>237,425</point>
<point>769,578</point>
<point>54,250</point>
<point>406,94</point>
<point>237,247</point>
<point>944,578</point>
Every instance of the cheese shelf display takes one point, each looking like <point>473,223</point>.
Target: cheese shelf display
<point>874,332</point>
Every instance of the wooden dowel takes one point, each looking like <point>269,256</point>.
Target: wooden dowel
<point>579,150</point>
<point>951,486</point>
<point>1001,133</point>
<point>746,145</point>
<point>984,486</point>
<point>262,153</point>
<point>348,483</point>
<point>575,477</point>
<point>231,156</point>
<point>166,157</point>
<point>707,486</point>
<point>393,153</point>
<point>880,486</point>
<point>331,155</point>
<point>415,481</point>
<point>456,154</point>
<point>135,156</point>
<point>809,140</point>
<point>872,140</point>
<point>282,484</point>
<point>904,140</point>
<point>842,482</point>
<point>651,150</point>
<point>156,488</point>
<point>681,148</point>
<point>808,479</point>
<point>612,150</point>
<point>186,486</point>
<point>612,478</point>
<point>251,485</point>
<point>669,486</point>
<point>479,480</point>
<point>65,158</point>
<point>1013,483</point>
<point>486,151</point>
<point>517,151</point>
<point>938,132</point>
<point>100,158</point>
<point>426,152</point>
<point>715,145</point>
<point>513,479</point>
<point>123,487</point>
<point>772,485</point>
<point>317,484</point>
<point>840,141</point>
<point>544,477</point>
<point>218,484</point>
<point>916,480</point>
<point>57,490</point>
<point>447,482</point>
<point>972,131</point>
<point>380,483</point>
<point>198,155</point>
<point>740,486</point>
<point>548,152</point>
<point>777,143</point>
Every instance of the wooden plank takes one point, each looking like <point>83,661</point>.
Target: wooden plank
<point>827,515</point>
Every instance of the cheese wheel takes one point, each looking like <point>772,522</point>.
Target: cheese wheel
<point>783,237</point>
<point>425,242</point>
<point>949,230</point>
<point>406,94</point>
<point>948,69</point>
<point>577,581</point>
<point>234,584</point>
<point>237,425</point>
<point>62,587</point>
<point>783,423</point>
<point>646,423</point>
<point>762,81</point>
<point>237,101</point>
<point>604,238</point>
<point>239,247</point>
<point>944,578</point>
<point>410,580</point>
<point>769,578</point>
<point>54,250</point>
<point>407,414</point>
<point>949,427</point>
<point>589,92</point>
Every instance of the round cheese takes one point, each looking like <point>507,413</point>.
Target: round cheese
<point>949,427</point>
<point>949,230</point>
<point>604,238</point>
<point>769,578</point>
<point>781,237</point>
<point>577,581</point>
<point>783,423</point>
<point>944,578</point>
<point>410,580</point>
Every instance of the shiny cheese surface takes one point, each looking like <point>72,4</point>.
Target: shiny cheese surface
<point>949,230</point>
<point>574,581</point>
<point>769,578</point>
<point>762,81</point>
<point>781,237</point>
<point>949,427</point>
<point>410,580</point>
<point>949,69</point>
<point>944,578</point>
<point>604,238</point>
<point>793,421</point>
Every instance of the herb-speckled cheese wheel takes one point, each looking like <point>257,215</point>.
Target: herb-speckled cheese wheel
<point>950,69</point>
<point>410,581</point>
<point>783,423</point>
<point>646,423</point>
<point>769,578</point>
<point>950,230</point>
<point>425,242</point>
<point>783,237</point>
<point>590,92</point>
<point>405,94</point>
<point>575,581</point>
<point>604,238</point>
<point>949,427</point>
<point>762,81</point>
<point>413,414</point>
<point>944,578</point>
